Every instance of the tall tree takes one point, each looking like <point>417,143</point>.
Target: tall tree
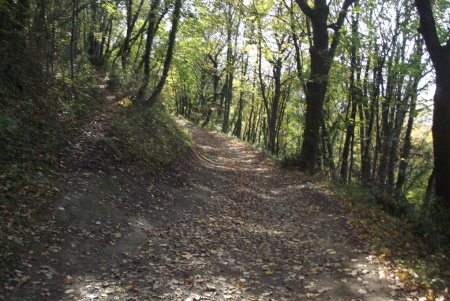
<point>153,21</point>
<point>355,96</point>
<point>169,53</point>
<point>233,20</point>
<point>131,19</point>
<point>322,55</point>
<point>440,56</point>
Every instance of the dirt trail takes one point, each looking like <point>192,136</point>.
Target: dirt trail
<point>227,225</point>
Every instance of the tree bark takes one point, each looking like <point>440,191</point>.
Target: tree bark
<point>406,149</point>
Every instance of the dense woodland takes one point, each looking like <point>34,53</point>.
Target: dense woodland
<point>340,89</point>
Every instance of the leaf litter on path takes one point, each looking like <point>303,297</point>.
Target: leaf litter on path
<point>236,228</point>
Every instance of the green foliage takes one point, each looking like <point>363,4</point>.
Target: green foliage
<point>148,137</point>
<point>125,82</point>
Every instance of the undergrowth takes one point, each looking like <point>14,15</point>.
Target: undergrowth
<point>148,137</point>
<point>36,123</point>
<point>406,243</point>
<point>39,114</point>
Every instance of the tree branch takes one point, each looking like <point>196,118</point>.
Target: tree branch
<point>169,53</point>
<point>306,9</point>
<point>338,25</point>
<point>428,28</point>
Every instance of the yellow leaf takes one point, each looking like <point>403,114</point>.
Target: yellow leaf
<point>129,287</point>
<point>118,235</point>
<point>124,102</point>
<point>69,279</point>
<point>189,281</point>
<point>240,282</point>
<point>386,252</point>
<point>24,280</point>
<point>404,275</point>
<point>268,273</point>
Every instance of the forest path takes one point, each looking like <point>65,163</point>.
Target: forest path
<point>227,224</point>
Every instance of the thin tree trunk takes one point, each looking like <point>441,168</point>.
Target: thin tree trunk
<point>131,21</point>
<point>406,149</point>
<point>238,126</point>
<point>229,78</point>
<point>151,31</point>
<point>73,39</point>
<point>169,54</point>
<point>355,95</point>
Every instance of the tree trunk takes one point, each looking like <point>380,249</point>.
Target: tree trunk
<point>315,91</point>
<point>321,57</point>
<point>216,81</point>
<point>229,78</point>
<point>169,54</point>
<point>274,108</point>
<point>440,56</point>
<point>355,95</point>
<point>238,126</point>
<point>73,39</point>
<point>151,31</point>
<point>406,149</point>
<point>131,21</point>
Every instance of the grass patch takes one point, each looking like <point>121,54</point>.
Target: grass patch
<point>148,137</point>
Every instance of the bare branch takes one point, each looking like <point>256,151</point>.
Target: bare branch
<point>428,28</point>
<point>338,25</point>
<point>306,9</point>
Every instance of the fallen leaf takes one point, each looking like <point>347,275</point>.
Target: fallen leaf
<point>189,280</point>
<point>129,287</point>
<point>240,282</point>
<point>385,252</point>
<point>125,102</point>
<point>69,280</point>
<point>268,273</point>
<point>23,280</point>
<point>362,291</point>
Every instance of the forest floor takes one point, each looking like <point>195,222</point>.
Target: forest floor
<point>224,224</point>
